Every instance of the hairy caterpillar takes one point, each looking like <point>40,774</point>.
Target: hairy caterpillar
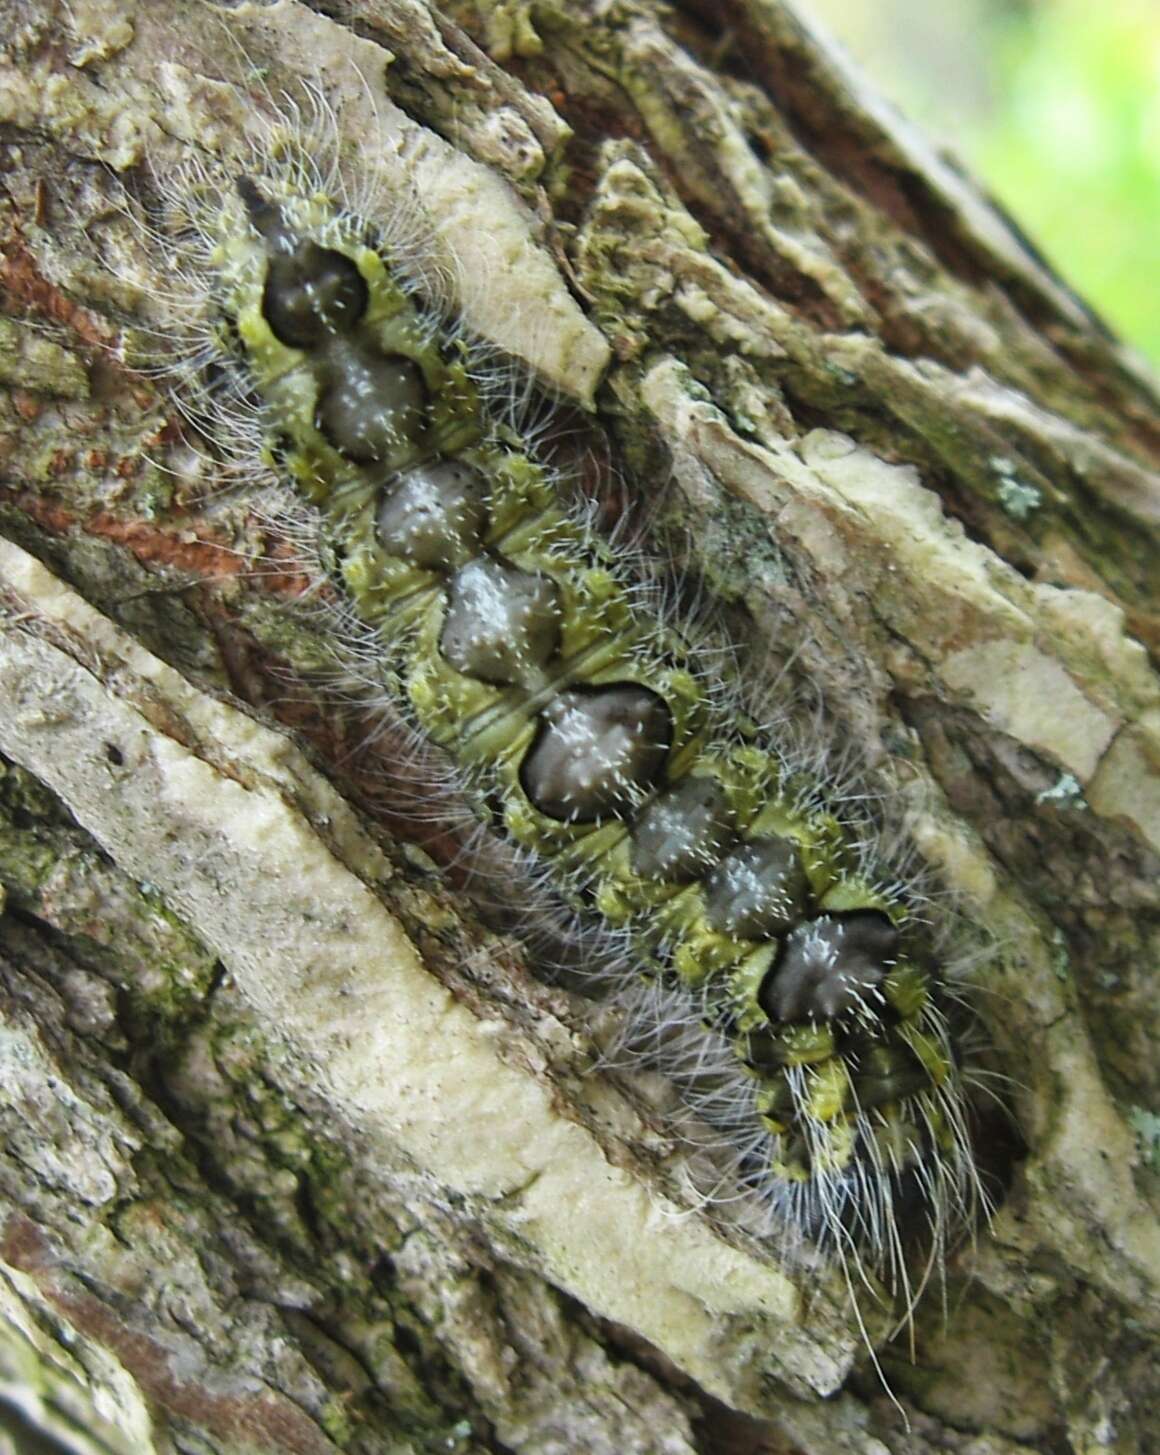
<point>790,983</point>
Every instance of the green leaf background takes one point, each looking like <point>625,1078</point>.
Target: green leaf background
<point>1055,104</point>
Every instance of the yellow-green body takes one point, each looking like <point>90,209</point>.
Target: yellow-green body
<point>604,638</point>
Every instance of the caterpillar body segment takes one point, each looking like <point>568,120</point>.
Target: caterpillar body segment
<point>521,649</point>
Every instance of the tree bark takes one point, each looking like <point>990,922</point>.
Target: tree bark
<point>299,1153</point>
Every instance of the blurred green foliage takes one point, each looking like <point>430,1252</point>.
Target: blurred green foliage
<point>1055,105</point>
<point>1072,148</point>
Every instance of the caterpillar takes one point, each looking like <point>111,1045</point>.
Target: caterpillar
<point>786,977</point>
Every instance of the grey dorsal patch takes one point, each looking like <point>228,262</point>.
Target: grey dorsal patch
<point>829,965</point>
<point>598,751</point>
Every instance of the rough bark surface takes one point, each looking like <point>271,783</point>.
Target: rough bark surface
<point>298,1153</point>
